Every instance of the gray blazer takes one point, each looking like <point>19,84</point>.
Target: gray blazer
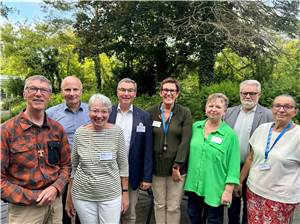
<point>262,115</point>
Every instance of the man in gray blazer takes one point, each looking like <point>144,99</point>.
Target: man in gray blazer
<point>244,119</point>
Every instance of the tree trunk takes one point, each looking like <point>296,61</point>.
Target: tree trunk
<point>97,71</point>
<point>206,65</point>
<point>161,62</point>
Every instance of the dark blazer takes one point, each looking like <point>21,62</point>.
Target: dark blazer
<point>140,150</point>
<point>262,115</point>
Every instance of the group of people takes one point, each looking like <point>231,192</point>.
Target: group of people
<point>88,162</point>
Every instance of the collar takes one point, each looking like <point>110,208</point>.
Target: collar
<point>174,108</point>
<point>220,130</point>
<point>66,108</point>
<point>25,123</point>
<point>130,108</point>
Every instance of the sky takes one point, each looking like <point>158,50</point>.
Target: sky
<point>25,11</point>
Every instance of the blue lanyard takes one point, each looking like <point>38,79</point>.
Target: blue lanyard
<point>165,124</point>
<point>268,149</point>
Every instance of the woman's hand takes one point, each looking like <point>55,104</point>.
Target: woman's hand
<point>227,195</point>
<point>69,207</point>
<point>176,176</point>
<point>125,202</point>
<point>226,198</point>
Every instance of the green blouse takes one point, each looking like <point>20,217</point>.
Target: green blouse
<point>213,162</point>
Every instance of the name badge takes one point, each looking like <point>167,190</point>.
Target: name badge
<point>264,166</point>
<point>156,124</point>
<point>140,128</point>
<point>216,139</point>
<point>106,156</point>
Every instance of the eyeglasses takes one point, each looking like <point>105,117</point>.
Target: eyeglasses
<point>248,93</point>
<point>285,107</point>
<point>68,91</point>
<point>172,91</point>
<point>34,90</point>
<point>123,90</point>
<point>95,111</point>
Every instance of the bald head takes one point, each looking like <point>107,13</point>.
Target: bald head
<point>69,79</point>
<point>71,90</point>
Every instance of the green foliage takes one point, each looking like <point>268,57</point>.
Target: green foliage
<point>13,87</point>
<point>198,100</point>
<point>17,108</point>
<point>5,117</point>
<point>145,101</point>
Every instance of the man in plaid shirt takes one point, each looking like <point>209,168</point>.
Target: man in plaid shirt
<point>35,159</point>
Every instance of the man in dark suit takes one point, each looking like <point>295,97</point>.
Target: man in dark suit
<point>137,127</point>
<point>244,119</point>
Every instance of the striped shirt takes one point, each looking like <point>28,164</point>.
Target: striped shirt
<point>99,159</point>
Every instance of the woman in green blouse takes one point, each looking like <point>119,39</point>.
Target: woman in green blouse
<point>172,124</point>
<point>214,163</point>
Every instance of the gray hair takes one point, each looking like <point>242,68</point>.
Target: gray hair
<point>103,100</point>
<point>37,77</point>
<point>128,80</point>
<point>218,96</point>
<point>251,82</point>
<point>287,95</point>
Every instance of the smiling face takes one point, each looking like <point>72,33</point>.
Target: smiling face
<point>168,94</point>
<point>37,94</point>
<point>71,90</point>
<point>126,93</point>
<point>283,109</point>
<point>99,115</point>
<point>215,109</point>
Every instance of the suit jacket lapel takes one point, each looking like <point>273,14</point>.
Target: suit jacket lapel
<point>113,115</point>
<point>235,114</point>
<point>256,119</point>
<point>135,120</point>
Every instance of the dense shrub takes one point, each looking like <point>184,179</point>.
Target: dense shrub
<point>195,99</point>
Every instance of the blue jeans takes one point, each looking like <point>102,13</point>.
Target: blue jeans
<point>199,212</point>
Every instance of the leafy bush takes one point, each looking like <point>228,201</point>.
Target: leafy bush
<point>14,87</point>
<point>194,98</point>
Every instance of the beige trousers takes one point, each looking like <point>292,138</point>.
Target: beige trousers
<point>167,199</point>
<point>33,214</point>
<point>130,216</point>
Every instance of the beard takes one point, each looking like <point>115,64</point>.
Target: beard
<point>248,104</point>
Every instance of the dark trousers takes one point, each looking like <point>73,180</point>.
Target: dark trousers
<point>66,218</point>
<point>235,209</point>
<point>201,213</point>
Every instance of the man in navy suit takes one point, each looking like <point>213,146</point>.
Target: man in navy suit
<point>137,127</point>
<point>244,119</point>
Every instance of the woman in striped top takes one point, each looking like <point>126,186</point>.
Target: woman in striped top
<point>98,189</point>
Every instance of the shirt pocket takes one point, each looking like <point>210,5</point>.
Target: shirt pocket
<point>54,148</point>
<point>23,156</point>
<point>217,152</point>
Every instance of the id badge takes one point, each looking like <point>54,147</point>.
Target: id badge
<point>264,166</point>
<point>140,128</point>
<point>106,156</point>
<point>156,124</point>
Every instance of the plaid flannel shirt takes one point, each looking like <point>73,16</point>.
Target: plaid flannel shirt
<point>32,158</point>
